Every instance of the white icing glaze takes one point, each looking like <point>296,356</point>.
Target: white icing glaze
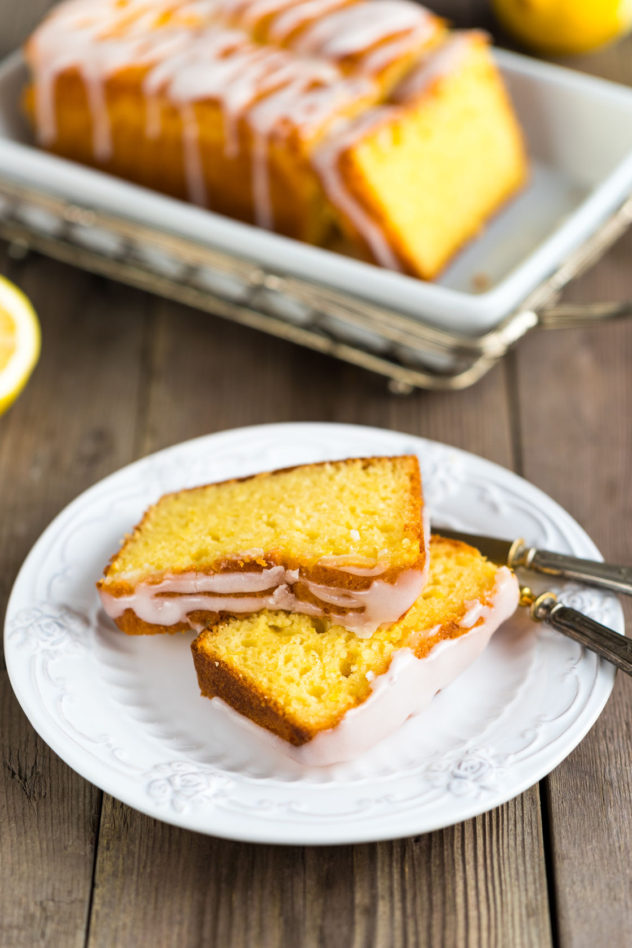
<point>407,688</point>
<point>353,564</point>
<point>355,29</point>
<point>380,603</point>
<point>298,14</point>
<point>192,51</point>
<point>444,60</point>
<point>196,184</point>
<point>98,39</point>
<point>172,599</point>
<point>250,13</point>
<point>310,97</point>
<point>326,160</point>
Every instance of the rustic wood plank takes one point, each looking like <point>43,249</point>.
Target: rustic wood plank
<point>48,824</point>
<point>214,375</point>
<point>156,884</point>
<point>588,472</point>
<point>208,375</point>
<point>575,392</point>
<point>452,888</point>
<point>73,424</point>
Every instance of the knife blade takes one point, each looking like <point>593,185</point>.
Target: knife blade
<point>518,555</point>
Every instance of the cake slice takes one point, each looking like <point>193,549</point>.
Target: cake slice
<point>412,180</point>
<point>330,695</point>
<point>340,539</point>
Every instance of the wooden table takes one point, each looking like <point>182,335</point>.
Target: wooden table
<point>122,374</point>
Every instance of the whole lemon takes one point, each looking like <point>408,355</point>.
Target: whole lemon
<point>565,26</point>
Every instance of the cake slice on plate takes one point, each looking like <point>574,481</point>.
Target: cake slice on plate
<point>340,539</point>
<point>330,695</point>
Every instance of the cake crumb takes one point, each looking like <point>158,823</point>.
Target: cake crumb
<point>481,282</point>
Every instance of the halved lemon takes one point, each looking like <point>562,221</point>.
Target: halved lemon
<point>19,342</point>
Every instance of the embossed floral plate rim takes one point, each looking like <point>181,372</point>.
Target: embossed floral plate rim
<point>55,636</point>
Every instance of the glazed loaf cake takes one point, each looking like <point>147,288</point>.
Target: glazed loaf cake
<point>341,539</point>
<point>330,695</point>
<point>361,124</point>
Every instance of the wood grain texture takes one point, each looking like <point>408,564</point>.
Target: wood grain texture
<point>123,374</point>
<point>452,888</point>
<point>208,375</point>
<point>74,423</point>
<point>575,396</point>
<point>48,823</point>
<point>575,390</point>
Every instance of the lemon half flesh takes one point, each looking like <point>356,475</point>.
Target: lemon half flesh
<point>19,342</point>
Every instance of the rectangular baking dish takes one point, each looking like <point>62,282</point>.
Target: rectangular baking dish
<point>579,137</point>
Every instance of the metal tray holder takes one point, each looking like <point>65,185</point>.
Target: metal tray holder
<point>410,353</point>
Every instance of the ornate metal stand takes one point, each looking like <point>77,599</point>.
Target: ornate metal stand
<point>407,351</point>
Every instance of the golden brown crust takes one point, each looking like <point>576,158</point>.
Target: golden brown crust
<point>158,163</point>
<point>218,680</point>
<point>335,578</point>
<point>129,623</point>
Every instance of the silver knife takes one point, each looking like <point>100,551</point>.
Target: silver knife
<point>517,554</point>
<point>607,643</point>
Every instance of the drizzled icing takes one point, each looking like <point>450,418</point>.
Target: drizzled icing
<point>297,15</point>
<point>443,61</point>
<point>327,158</point>
<point>98,39</point>
<point>405,689</point>
<point>355,30</point>
<point>171,600</point>
<point>194,50</point>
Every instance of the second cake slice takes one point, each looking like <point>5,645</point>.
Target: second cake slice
<point>330,696</point>
<point>341,539</point>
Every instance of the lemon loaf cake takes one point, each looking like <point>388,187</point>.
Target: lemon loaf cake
<point>330,695</point>
<point>413,180</point>
<point>344,539</point>
<point>356,123</point>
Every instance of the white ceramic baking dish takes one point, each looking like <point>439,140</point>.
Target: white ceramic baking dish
<point>579,136</point>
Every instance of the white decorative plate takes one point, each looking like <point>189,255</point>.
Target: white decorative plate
<point>125,712</point>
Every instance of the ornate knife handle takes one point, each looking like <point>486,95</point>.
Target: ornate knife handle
<point>605,575</point>
<point>593,635</point>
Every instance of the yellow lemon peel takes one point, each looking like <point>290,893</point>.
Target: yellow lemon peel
<point>565,27</point>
